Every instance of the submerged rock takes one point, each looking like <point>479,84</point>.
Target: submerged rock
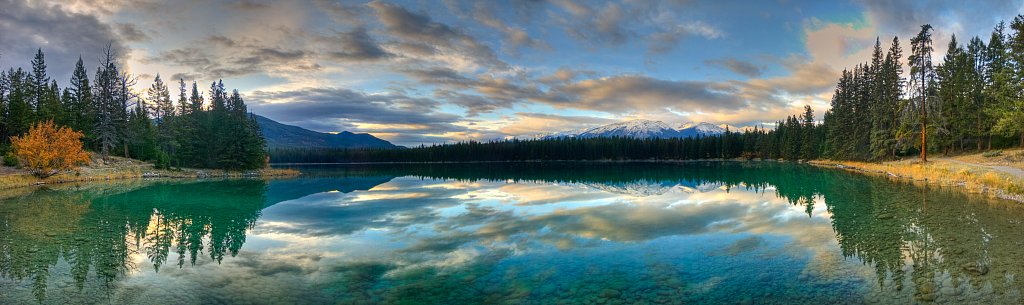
<point>975,268</point>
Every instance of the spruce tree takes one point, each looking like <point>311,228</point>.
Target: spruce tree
<point>19,106</point>
<point>106,97</point>
<point>921,81</point>
<point>81,107</point>
<point>1008,87</point>
<point>982,121</point>
<point>40,83</point>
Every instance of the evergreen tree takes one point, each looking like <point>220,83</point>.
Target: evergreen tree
<point>952,97</point>
<point>884,146</point>
<point>81,107</point>
<point>1007,85</point>
<point>39,83</point>
<point>922,76</point>
<point>19,105</point>
<point>810,136</point>
<point>141,136</point>
<point>979,130</point>
<point>163,111</point>
<point>50,107</point>
<point>106,97</point>
<point>182,128</point>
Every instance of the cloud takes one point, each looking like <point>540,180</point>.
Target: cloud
<point>419,28</point>
<point>224,57</point>
<point>247,5</point>
<point>131,32</point>
<point>626,93</point>
<point>737,66</point>
<point>440,75</point>
<point>532,124</point>
<point>63,36</point>
<point>488,13</point>
<point>618,24</point>
<point>474,104</point>
<point>341,13</point>
<point>600,27</point>
<point>970,18</point>
<point>391,116</point>
<point>673,31</point>
<point>356,45</point>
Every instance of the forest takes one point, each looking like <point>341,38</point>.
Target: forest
<point>972,101</point>
<point>215,131</point>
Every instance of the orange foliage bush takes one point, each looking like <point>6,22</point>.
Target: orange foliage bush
<point>48,149</point>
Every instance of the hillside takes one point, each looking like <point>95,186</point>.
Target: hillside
<point>280,135</point>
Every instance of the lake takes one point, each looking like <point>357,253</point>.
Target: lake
<point>513,233</point>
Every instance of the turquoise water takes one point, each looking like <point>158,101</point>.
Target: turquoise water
<point>513,233</point>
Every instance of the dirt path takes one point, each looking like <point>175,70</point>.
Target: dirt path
<point>1017,172</point>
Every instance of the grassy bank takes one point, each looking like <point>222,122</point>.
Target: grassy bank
<point>114,168</point>
<point>999,175</point>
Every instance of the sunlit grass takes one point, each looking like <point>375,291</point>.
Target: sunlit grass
<point>133,170</point>
<point>976,179</point>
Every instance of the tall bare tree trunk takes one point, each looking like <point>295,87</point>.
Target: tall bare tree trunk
<point>924,131</point>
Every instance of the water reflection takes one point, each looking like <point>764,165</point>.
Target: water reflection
<point>96,230</point>
<point>518,232</point>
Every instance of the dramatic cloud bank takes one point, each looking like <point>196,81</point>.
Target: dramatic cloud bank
<point>418,72</point>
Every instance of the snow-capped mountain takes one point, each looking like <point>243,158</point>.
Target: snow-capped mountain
<point>701,129</point>
<point>633,129</point>
<point>641,129</point>
<point>565,134</point>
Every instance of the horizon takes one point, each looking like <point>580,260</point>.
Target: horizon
<point>414,73</point>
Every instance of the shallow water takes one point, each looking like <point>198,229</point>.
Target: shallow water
<point>515,233</point>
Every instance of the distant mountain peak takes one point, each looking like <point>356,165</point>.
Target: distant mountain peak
<point>701,129</point>
<point>280,135</point>
<point>642,129</point>
<point>638,128</point>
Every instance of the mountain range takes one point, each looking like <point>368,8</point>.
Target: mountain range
<point>642,129</point>
<point>280,135</point>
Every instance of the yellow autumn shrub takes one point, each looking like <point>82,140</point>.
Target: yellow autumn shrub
<point>48,149</point>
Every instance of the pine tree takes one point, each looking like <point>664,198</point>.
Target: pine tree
<point>887,107</point>
<point>5,90</point>
<point>141,136</point>
<point>81,107</point>
<point>19,105</point>
<point>921,82</point>
<point>1008,87</point>
<point>982,122</point>
<point>951,97</point>
<point>50,107</point>
<point>195,127</point>
<point>39,82</point>
<point>105,98</point>
<point>810,136</point>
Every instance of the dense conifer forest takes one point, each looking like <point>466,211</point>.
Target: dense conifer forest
<point>972,101</point>
<point>215,131</point>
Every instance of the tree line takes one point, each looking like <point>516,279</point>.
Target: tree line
<point>215,131</point>
<point>795,138</point>
<point>973,100</point>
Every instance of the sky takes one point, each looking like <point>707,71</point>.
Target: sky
<point>424,72</point>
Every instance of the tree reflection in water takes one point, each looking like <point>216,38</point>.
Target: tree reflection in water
<point>923,239</point>
<point>98,229</point>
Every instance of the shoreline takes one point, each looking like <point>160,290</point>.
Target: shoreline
<point>969,178</point>
<point>137,170</point>
<point>540,161</point>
